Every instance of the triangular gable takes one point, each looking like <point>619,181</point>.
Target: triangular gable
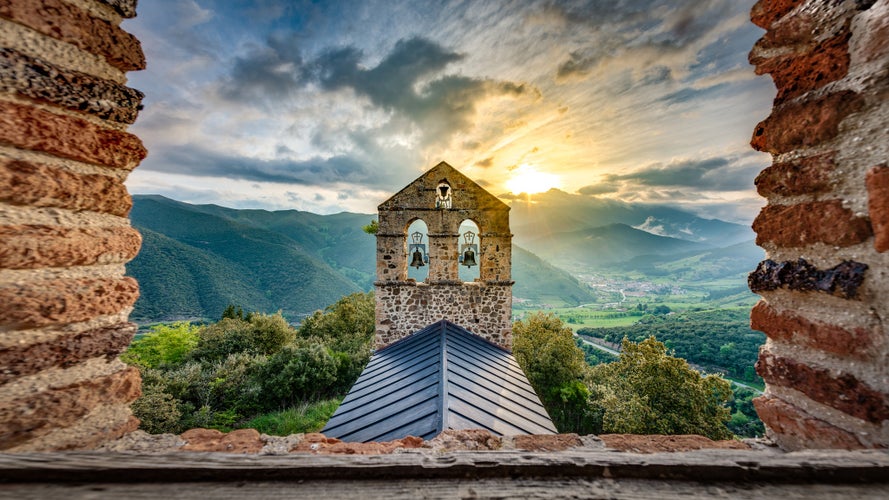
<point>441,377</point>
<point>429,180</point>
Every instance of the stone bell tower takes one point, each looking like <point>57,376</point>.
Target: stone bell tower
<point>443,199</point>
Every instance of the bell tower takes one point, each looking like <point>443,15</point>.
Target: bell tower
<point>447,202</point>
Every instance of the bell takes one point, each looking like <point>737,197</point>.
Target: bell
<point>417,259</point>
<point>469,258</point>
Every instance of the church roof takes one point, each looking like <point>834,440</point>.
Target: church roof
<point>441,377</point>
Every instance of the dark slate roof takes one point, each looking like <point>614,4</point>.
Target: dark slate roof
<point>441,377</point>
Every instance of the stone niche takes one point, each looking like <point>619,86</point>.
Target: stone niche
<point>443,199</point>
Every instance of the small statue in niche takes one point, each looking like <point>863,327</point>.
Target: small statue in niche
<point>443,194</point>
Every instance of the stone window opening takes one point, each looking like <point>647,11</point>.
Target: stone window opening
<point>469,256</point>
<point>416,245</point>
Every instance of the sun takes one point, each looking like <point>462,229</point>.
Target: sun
<point>526,179</point>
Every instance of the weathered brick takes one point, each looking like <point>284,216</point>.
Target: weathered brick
<point>58,302</point>
<point>33,246</point>
<point>766,12</point>
<point>38,414</point>
<point>41,81</point>
<point>27,127</point>
<point>784,326</point>
<point>803,124</point>
<point>126,8</point>
<point>69,23</point>
<point>842,280</point>
<point>795,429</point>
<point>844,391</point>
<point>812,222</point>
<point>64,351</point>
<point>39,185</point>
<point>795,75</point>
<point>877,182</point>
<point>796,33</point>
<point>809,175</point>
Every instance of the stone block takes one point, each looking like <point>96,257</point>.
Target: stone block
<point>808,175</point>
<point>877,182</point>
<point>32,247</point>
<point>808,223</point>
<point>40,185</point>
<point>857,343</point>
<point>69,23</point>
<point>842,391</point>
<point>38,414</point>
<point>65,350</point>
<point>794,429</point>
<point>57,302</point>
<point>796,74</point>
<point>44,82</point>
<point>842,280</point>
<point>27,127</point>
<point>765,12</point>
<point>805,124</point>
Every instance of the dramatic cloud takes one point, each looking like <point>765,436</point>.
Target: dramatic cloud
<point>332,105</point>
<point>722,174</point>
<point>600,188</point>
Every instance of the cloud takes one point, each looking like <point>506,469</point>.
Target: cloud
<point>640,36</point>
<point>405,82</point>
<point>487,162</point>
<point>600,188</point>
<point>269,71</point>
<point>200,162</point>
<point>718,173</point>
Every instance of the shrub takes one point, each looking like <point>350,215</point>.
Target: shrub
<point>163,345</point>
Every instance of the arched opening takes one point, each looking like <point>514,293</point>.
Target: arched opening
<point>417,248</point>
<point>468,245</point>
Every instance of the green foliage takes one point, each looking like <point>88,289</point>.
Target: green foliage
<point>306,417</point>
<point>248,365</point>
<point>261,334</point>
<point>371,228</point>
<point>195,260</point>
<point>544,347</point>
<point>164,344</point>
<point>744,421</point>
<point>718,340</point>
<point>594,356</point>
<point>649,392</point>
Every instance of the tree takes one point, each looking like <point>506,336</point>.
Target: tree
<point>371,228</point>
<point>544,347</point>
<point>164,344</point>
<point>649,392</point>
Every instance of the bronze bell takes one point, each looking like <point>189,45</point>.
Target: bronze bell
<point>417,259</point>
<point>469,258</point>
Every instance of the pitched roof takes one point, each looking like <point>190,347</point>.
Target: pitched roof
<point>429,180</point>
<point>441,377</point>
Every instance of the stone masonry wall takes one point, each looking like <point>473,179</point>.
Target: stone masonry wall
<point>64,232</point>
<point>404,306</point>
<point>825,284</point>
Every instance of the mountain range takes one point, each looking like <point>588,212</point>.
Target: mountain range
<point>197,259</point>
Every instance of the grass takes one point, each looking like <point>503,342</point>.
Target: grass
<point>308,417</point>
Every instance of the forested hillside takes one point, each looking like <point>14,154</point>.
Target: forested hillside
<point>717,340</point>
<point>196,259</point>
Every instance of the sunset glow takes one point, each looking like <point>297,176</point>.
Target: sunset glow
<point>526,179</point>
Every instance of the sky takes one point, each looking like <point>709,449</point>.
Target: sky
<point>330,106</point>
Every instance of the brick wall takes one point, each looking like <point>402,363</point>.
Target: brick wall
<point>64,232</point>
<point>825,284</point>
